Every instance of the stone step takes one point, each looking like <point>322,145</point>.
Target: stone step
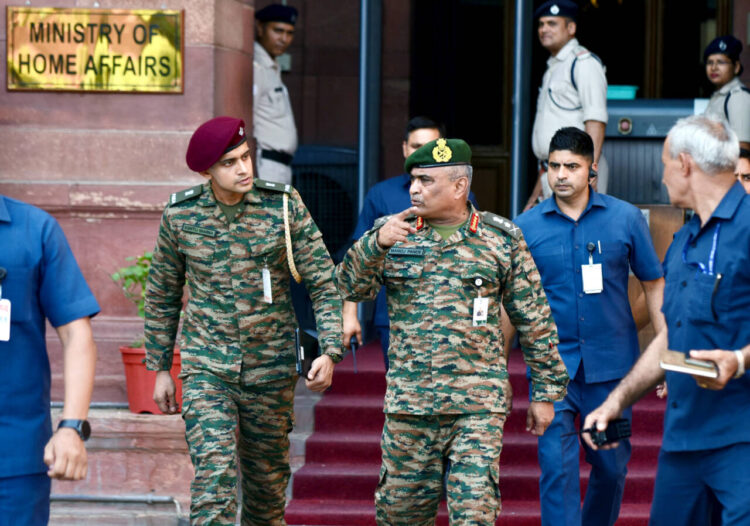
<point>71,513</point>
<point>144,454</point>
<point>131,454</point>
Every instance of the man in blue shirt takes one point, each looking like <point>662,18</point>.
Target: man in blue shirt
<point>385,198</point>
<point>584,243</point>
<point>39,279</point>
<point>703,463</point>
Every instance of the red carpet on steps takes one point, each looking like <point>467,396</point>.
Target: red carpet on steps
<point>337,483</point>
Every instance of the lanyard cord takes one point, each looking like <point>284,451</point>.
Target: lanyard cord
<point>711,256</point>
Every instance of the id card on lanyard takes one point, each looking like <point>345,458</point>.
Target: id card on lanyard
<point>593,282</point>
<point>4,311</point>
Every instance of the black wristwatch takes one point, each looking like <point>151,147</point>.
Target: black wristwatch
<point>82,427</point>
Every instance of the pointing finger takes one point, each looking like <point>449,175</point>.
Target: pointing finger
<point>406,213</point>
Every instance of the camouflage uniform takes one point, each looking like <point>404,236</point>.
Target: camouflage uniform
<point>444,393</point>
<point>238,359</point>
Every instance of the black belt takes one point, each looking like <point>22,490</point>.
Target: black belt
<point>279,157</point>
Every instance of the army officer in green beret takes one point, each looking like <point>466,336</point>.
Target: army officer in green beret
<point>447,268</point>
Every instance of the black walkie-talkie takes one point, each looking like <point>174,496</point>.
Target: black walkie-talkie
<point>616,430</point>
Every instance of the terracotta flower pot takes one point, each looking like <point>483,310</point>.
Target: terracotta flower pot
<point>140,381</point>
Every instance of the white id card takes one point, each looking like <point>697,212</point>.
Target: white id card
<point>4,320</point>
<point>592,278</point>
<point>481,306</point>
<point>266,274</point>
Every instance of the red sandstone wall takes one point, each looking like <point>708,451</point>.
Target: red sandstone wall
<point>104,164</point>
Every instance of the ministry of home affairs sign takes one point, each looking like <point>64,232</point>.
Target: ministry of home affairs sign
<point>74,49</point>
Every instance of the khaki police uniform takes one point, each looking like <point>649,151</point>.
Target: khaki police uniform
<point>732,103</point>
<point>273,121</point>
<point>561,103</point>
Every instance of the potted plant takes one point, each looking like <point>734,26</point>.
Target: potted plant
<point>140,381</point>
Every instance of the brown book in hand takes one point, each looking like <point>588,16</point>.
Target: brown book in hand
<point>682,363</point>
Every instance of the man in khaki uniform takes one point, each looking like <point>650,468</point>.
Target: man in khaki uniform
<point>573,92</point>
<point>274,130</point>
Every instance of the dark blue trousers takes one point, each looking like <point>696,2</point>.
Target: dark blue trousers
<point>693,486</point>
<point>24,500</point>
<point>559,485</point>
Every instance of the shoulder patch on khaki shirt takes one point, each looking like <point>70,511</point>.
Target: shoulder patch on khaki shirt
<point>272,185</point>
<point>501,223</point>
<point>184,195</point>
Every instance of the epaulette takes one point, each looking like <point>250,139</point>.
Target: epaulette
<point>184,195</point>
<point>273,186</point>
<point>582,53</point>
<point>501,223</point>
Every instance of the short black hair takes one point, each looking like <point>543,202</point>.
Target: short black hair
<point>744,153</point>
<point>572,139</point>
<point>419,122</point>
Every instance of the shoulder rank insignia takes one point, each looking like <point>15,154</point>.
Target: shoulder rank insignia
<point>184,195</point>
<point>442,152</point>
<point>272,185</point>
<point>501,223</point>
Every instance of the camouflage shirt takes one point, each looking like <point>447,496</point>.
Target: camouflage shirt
<point>440,361</point>
<point>228,329</point>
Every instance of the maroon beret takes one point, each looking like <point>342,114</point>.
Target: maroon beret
<point>212,140</point>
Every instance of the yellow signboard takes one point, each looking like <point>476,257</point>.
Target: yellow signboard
<point>95,49</point>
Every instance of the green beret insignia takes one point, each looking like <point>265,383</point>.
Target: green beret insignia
<point>437,153</point>
<point>441,152</point>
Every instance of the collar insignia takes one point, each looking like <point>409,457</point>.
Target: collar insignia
<point>420,223</point>
<point>474,223</point>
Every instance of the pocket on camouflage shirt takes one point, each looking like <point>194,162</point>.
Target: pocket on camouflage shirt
<point>479,280</point>
<point>199,254</point>
<point>400,269</point>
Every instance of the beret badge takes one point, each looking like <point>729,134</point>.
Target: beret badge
<point>442,152</point>
<point>554,9</point>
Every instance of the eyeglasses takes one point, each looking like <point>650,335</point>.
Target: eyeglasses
<point>718,63</point>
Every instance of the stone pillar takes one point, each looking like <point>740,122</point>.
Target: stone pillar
<point>104,164</point>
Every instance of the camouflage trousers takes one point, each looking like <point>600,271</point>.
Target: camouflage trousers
<point>415,449</point>
<point>224,421</point>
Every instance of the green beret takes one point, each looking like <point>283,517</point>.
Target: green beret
<point>440,152</point>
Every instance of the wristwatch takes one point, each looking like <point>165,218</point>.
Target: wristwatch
<point>82,427</point>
